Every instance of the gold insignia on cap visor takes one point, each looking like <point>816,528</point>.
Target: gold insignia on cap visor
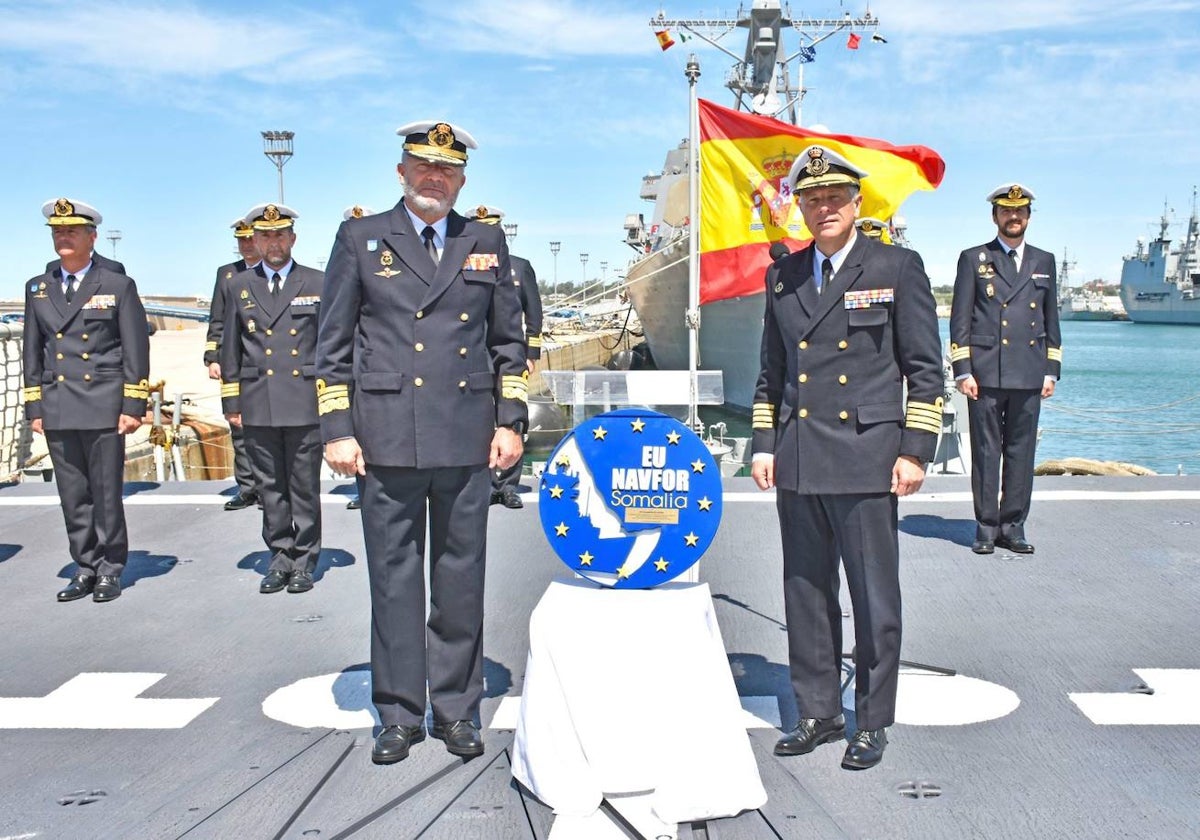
<point>816,165</point>
<point>356,212</point>
<point>62,207</point>
<point>1014,193</point>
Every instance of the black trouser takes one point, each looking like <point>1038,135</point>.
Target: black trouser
<point>89,467</point>
<point>243,473</point>
<point>860,530</point>
<point>1003,424</point>
<point>287,464</point>
<point>408,650</point>
<point>510,477</point>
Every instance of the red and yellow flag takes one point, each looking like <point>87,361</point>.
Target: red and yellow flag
<point>746,203</point>
<point>664,39</point>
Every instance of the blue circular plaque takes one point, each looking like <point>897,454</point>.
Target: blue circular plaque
<point>630,499</point>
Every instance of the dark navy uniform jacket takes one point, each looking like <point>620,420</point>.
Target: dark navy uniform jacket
<point>268,347</point>
<point>829,402</point>
<point>1003,323</point>
<point>531,304</point>
<point>216,310</point>
<point>440,352</point>
<point>85,362</point>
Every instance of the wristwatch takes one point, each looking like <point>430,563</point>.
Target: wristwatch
<point>517,426</point>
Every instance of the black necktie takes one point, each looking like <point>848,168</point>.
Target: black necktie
<point>826,274</point>
<point>427,235</point>
<point>1012,255</point>
<point>275,284</point>
<point>70,290</point>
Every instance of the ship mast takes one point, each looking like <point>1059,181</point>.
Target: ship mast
<point>760,78</point>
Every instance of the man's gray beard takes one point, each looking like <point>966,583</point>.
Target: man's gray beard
<point>429,205</point>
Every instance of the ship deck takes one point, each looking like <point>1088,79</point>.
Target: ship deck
<point>1107,606</point>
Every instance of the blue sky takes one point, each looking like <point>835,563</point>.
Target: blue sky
<point>152,111</point>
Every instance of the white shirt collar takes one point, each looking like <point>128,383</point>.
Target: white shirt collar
<point>439,228</point>
<point>282,272</point>
<point>836,259</point>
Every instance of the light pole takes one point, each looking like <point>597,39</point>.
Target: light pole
<point>603,272</point>
<point>554,248</point>
<point>510,232</point>
<point>277,146</point>
<point>113,236</point>
<point>583,258</point>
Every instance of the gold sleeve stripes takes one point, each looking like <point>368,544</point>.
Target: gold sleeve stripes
<point>959,354</point>
<point>211,345</point>
<point>764,416</point>
<point>138,391</point>
<point>515,387</point>
<point>231,389</point>
<point>332,398</point>
<point>534,341</point>
<point>924,417</point>
<point>1054,354</point>
<point>32,393</point>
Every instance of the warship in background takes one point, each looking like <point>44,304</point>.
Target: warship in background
<point>1077,303</point>
<point>1158,283</point>
<point>657,280</point>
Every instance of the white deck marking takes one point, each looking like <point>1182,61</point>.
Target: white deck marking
<point>1175,701</point>
<point>101,701</point>
<point>340,700</point>
<point>925,698</point>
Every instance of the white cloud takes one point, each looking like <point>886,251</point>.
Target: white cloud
<point>148,39</point>
<point>544,29</point>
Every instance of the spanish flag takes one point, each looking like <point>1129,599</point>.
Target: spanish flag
<point>664,39</point>
<point>746,202</point>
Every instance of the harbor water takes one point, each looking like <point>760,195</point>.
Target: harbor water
<point>1130,392</point>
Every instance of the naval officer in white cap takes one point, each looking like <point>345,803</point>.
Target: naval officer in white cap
<point>849,321</point>
<point>422,389</point>
<point>1006,351</point>
<point>86,363</point>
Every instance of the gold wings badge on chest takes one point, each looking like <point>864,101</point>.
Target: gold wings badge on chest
<point>386,259</point>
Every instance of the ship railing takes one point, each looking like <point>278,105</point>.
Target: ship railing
<point>15,437</point>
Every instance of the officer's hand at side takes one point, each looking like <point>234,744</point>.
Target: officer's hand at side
<point>345,457</point>
<point>35,425</point>
<point>969,387</point>
<point>762,470</point>
<point>1048,388</point>
<point>214,370</point>
<point>507,449</point>
<point>234,419</point>
<point>907,475</point>
<point>127,423</point>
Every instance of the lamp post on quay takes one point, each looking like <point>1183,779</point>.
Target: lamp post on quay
<point>583,258</point>
<point>554,248</point>
<point>277,146</point>
<point>510,232</point>
<point>113,236</point>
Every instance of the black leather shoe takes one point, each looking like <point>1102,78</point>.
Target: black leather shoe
<point>79,586</point>
<point>461,737</point>
<point>497,498</point>
<point>510,498</point>
<point>983,546</point>
<point>275,581</point>
<point>1017,545</point>
<point>300,582</point>
<point>865,749</point>
<point>809,734</point>
<point>393,743</point>
<point>354,504</point>
<point>242,500</point>
<point>108,588</point>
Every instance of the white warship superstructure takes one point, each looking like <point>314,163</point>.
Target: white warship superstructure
<point>1158,282</point>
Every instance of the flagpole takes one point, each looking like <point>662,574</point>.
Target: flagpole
<point>693,314</point>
